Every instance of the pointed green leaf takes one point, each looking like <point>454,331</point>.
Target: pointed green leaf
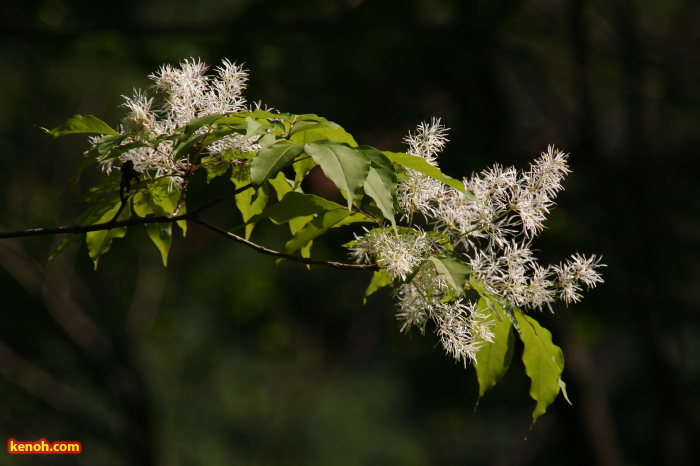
<point>380,279</point>
<point>380,184</point>
<point>304,132</point>
<point>321,224</point>
<point>294,205</point>
<point>544,362</point>
<point>196,123</point>
<point>155,199</point>
<point>259,113</point>
<point>161,235</point>
<point>346,166</point>
<point>215,167</point>
<point>271,160</point>
<point>82,124</point>
<point>454,269</point>
<point>494,358</point>
<point>283,186</point>
<point>251,201</point>
<point>184,148</point>
<point>255,128</point>
<point>302,167</point>
<point>105,144</point>
<point>420,165</point>
<point>99,242</point>
<point>102,198</point>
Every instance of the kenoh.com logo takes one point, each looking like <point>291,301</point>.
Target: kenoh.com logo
<point>42,447</point>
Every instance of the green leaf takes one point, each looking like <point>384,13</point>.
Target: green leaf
<point>544,362</point>
<point>380,279</point>
<point>454,269</point>
<point>494,358</point>
<point>81,124</point>
<point>420,165</point>
<point>294,205</point>
<point>155,199</point>
<point>102,198</point>
<point>380,184</point>
<point>196,123</point>
<point>302,167</point>
<point>283,186</point>
<point>185,147</point>
<point>99,242</point>
<point>119,150</point>
<point>321,224</point>
<point>255,128</point>
<point>346,166</point>
<point>161,235</point>
<point>215,166</point>
<point>271,160</point>
<point>259,113</point>
<point>304,132</point>
<point>251,201</point>
<point>106,143</point>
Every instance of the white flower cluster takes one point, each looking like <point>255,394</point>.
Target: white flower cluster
<point>422,295</point>
<point>186,93</point>
<point>493,234</point>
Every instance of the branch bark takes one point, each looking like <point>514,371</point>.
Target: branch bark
<point>192,216</point>
<point>272,252</point>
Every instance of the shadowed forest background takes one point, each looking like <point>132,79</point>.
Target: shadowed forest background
<point>222,358</point>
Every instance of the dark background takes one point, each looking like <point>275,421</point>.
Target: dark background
<point>221,358</point>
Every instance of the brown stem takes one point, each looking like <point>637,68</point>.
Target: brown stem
<point>193,216</point>
<point>272,252</point>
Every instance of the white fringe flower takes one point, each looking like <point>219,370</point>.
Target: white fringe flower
<point>186,93</point>
<point>494,234</point>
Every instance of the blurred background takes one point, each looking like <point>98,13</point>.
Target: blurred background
<point>222,358</point>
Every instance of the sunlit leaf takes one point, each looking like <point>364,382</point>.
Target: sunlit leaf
<point>250,202</point>
<point>82,124</point>
<point>302,167</point>
<point>294,205</point>
<point>283,187</point>
<point>494,358</point>
<point>454,269</point>
<point>304,132</point>
<point>420,165</point>
<point>272,159</point>
<point>380,279</point>
<point>321,224</point>
<point>346,166</point>
<point>156,200</point>
<point>544,362</point>
<point>99,242</point>
<point>380,184</point>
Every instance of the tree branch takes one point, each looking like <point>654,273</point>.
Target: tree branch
<point>96,227</point>
<point>272,252</point>
<point>77,229</point>
<point>192,216</point>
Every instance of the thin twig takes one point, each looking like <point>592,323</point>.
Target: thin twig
<point>77,229</point>
<point>192,216</point>
<point>86,228</point>
<point>272,252</point>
